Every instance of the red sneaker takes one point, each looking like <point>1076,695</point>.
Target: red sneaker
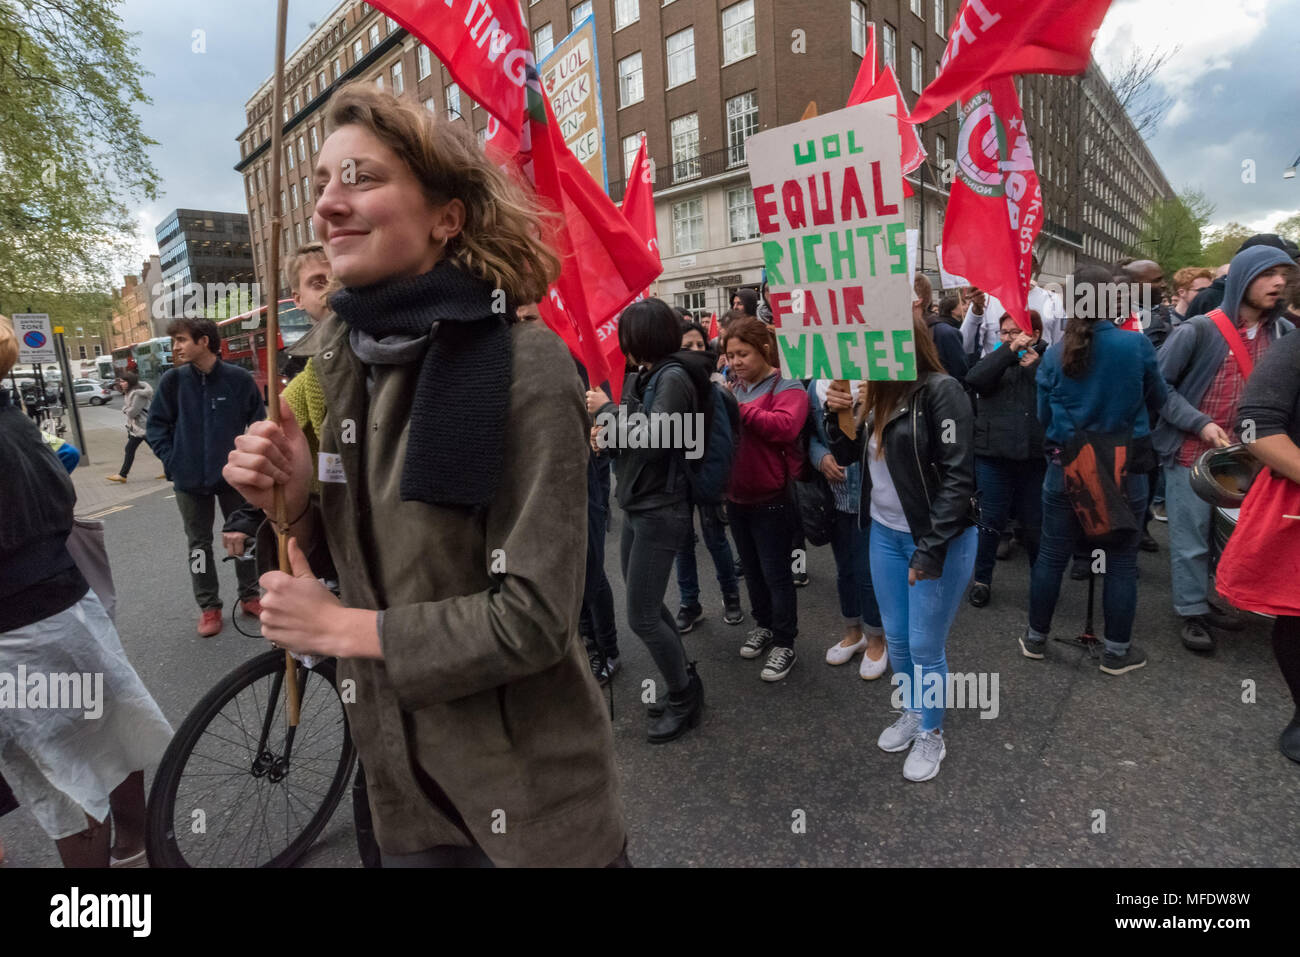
<point>252,606</point>
<point>210,622</point>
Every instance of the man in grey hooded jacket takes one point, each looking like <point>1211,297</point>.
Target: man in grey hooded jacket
<point>1205,385</point>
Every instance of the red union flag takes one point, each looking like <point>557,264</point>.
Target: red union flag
<point>604,264</point>
<point>872,86</point>
<point>996,207</point>
<point>639,203</point>
<point>993,38</point>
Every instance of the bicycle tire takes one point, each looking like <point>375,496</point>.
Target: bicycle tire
<point>161,838</point>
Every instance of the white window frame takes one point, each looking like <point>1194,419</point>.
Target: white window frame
<point>858,27</point>
<point>574,19</point>
<point>621,11</point>
<point>625,81</point>
<point>302,150</point>
<point>889,46</point>
<point>940,18</point>
<point>751,231</point>
<point>691,216</point>
<point>683,57</point>
<point>293,195</point>
<point>631,146</point>
<point>736,155</point>
<point>918,8</point>
<point>734,36</point>
<point>685,153</point>
<point>358,51</point>
<point>940,149</point>
<point>538,52</point>
<point>448,97</point>
<point>399,84</point>
<point>372,35</point>
<point>423,62</point>
<point>918,69</point>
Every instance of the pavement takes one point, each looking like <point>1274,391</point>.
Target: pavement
<point>1174,765</point>
<point>103,442</point>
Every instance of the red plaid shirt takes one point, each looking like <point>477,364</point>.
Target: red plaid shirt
<point>1222,397</point>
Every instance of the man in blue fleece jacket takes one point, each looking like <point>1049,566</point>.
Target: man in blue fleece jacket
<point>198,410</point>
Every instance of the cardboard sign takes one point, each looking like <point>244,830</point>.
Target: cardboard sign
<point>35,340</point>
<point>828,194</point>
<point>571,79</point>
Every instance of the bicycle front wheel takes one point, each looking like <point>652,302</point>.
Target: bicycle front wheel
<point>237,787</point>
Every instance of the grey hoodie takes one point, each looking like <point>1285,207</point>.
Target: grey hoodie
<point>135,406</point>
<point>1196,350</point>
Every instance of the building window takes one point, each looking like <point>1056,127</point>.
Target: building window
<point>302,150</point>
<point>429,105</point>
<point>423,66</point>
<point>918,7</point>
<point>858,27</point>
<point>337,68</point>
<point>940,18</point>
<point>940,150</point>
<point>738,32</point>
<point>398,85</point>
<point>290,152</point>
<point>311,229</point>
<point>321,82</point>
<point>696,302</point>
<point>453,99</point>
<point>293,195</point>
<point>482,137</point>
<point>296,106</point>
<point>315,143</point>
<point>742,122</point>
<point>283,208</point>
<point>625,12</point>
<point>918,71</point>
<point>391,24</point>
<point>579,13</point>
<point>542,41</point>
<point>379,81</point>
<point>681,57</point>
<point>742,219</point>
<point>306,191</point>
<point>99,350</point>
<point>889,46</point>
<point>688,226</point>
<point>630,89</point>
<point>356,51</point>
<point>686,147</point>
<point>82,349</point>
<point>631,146</point>
<point>297,233</point>
<point>373,34</point>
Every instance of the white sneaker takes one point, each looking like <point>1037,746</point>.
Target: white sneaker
<point>839,654</point>
<point>927,752</point>
<point>873,669</point>
<point>898,736</point>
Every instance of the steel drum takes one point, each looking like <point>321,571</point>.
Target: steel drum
<point>1223,476</point>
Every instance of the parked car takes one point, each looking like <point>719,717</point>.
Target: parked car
<point>92,391</point>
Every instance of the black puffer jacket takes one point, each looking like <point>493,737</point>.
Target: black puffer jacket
<point>929,451</point>
<point>1006,424</point>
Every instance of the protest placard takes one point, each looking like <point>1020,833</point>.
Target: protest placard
<point>828,195</point>
<point>571,78</point>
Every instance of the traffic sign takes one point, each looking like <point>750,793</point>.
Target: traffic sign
<point>35,340</point>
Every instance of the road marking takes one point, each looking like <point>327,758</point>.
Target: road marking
<point>109,511</point>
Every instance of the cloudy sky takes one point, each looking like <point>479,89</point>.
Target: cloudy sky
<point>1235,83</point>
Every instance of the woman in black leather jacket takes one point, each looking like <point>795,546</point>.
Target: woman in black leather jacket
<point>915,443</point>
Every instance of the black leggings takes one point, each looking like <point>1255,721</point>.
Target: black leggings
<point>1286,649</point>
<point>132,443</point>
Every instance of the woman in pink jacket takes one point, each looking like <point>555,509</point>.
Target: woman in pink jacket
<point>760,508</point>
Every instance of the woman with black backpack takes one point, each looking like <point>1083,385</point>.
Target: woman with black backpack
<point>654,491</point>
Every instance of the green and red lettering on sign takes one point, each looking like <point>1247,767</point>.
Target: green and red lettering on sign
<point>828,194</point>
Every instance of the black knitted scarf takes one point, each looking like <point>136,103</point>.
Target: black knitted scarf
<point>456,447</point>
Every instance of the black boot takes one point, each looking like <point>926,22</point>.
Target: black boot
<point>680,713</point>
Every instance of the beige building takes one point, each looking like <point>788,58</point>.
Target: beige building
<point>133,306</point>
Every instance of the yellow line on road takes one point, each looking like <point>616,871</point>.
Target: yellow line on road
<point>108,511</point>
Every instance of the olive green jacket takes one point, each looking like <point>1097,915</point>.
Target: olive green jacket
<point>482,720</point>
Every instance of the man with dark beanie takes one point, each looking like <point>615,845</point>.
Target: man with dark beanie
<point>746,300</point>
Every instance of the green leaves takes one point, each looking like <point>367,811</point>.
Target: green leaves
<point>73,158</point>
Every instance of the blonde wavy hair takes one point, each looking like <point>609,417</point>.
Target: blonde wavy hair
<point>501,239</point>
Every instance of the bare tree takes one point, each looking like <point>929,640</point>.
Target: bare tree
<point>1133,81</point>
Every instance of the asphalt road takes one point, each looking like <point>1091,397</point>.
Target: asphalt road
<point>1166,766</point>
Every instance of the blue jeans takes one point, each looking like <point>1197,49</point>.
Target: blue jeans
<point>1190,517</point>
<point>763,535</point>
<point>1007,487</point>
<point>1061,534</point>
<point>917,617</point>
<point>597,621</point>
<point>715,540</point>
<point>852,549</point>
<point>649,544</point>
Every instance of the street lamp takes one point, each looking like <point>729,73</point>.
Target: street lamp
<point>1290,170</point>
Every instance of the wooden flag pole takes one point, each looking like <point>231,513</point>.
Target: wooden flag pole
<point>845,418</point>
<point>273,329</point>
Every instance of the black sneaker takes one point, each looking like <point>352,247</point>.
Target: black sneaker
<point>1080,569</point>
<point>1131,660</point>
<point>602,668</point>
<point>757,642</point>
<point>731,613</point>
<point>800,579</point>
<point>778,665</point>
<point>1032,647</point>
<point>687,616</point>
<point>1196,636</point>
<point>1148,544</point>
<point>979,594</point>
<point>1222,621</point>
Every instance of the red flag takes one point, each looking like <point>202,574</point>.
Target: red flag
<point>994,38</point>
<point>866,72</point>
<point>714,331</point>
<point>604,264</point>
<point>996,207</point>
<point>870,86</point>
<point>639,203</point>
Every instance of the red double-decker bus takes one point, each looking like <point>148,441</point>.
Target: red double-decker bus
<point>243,338</point>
